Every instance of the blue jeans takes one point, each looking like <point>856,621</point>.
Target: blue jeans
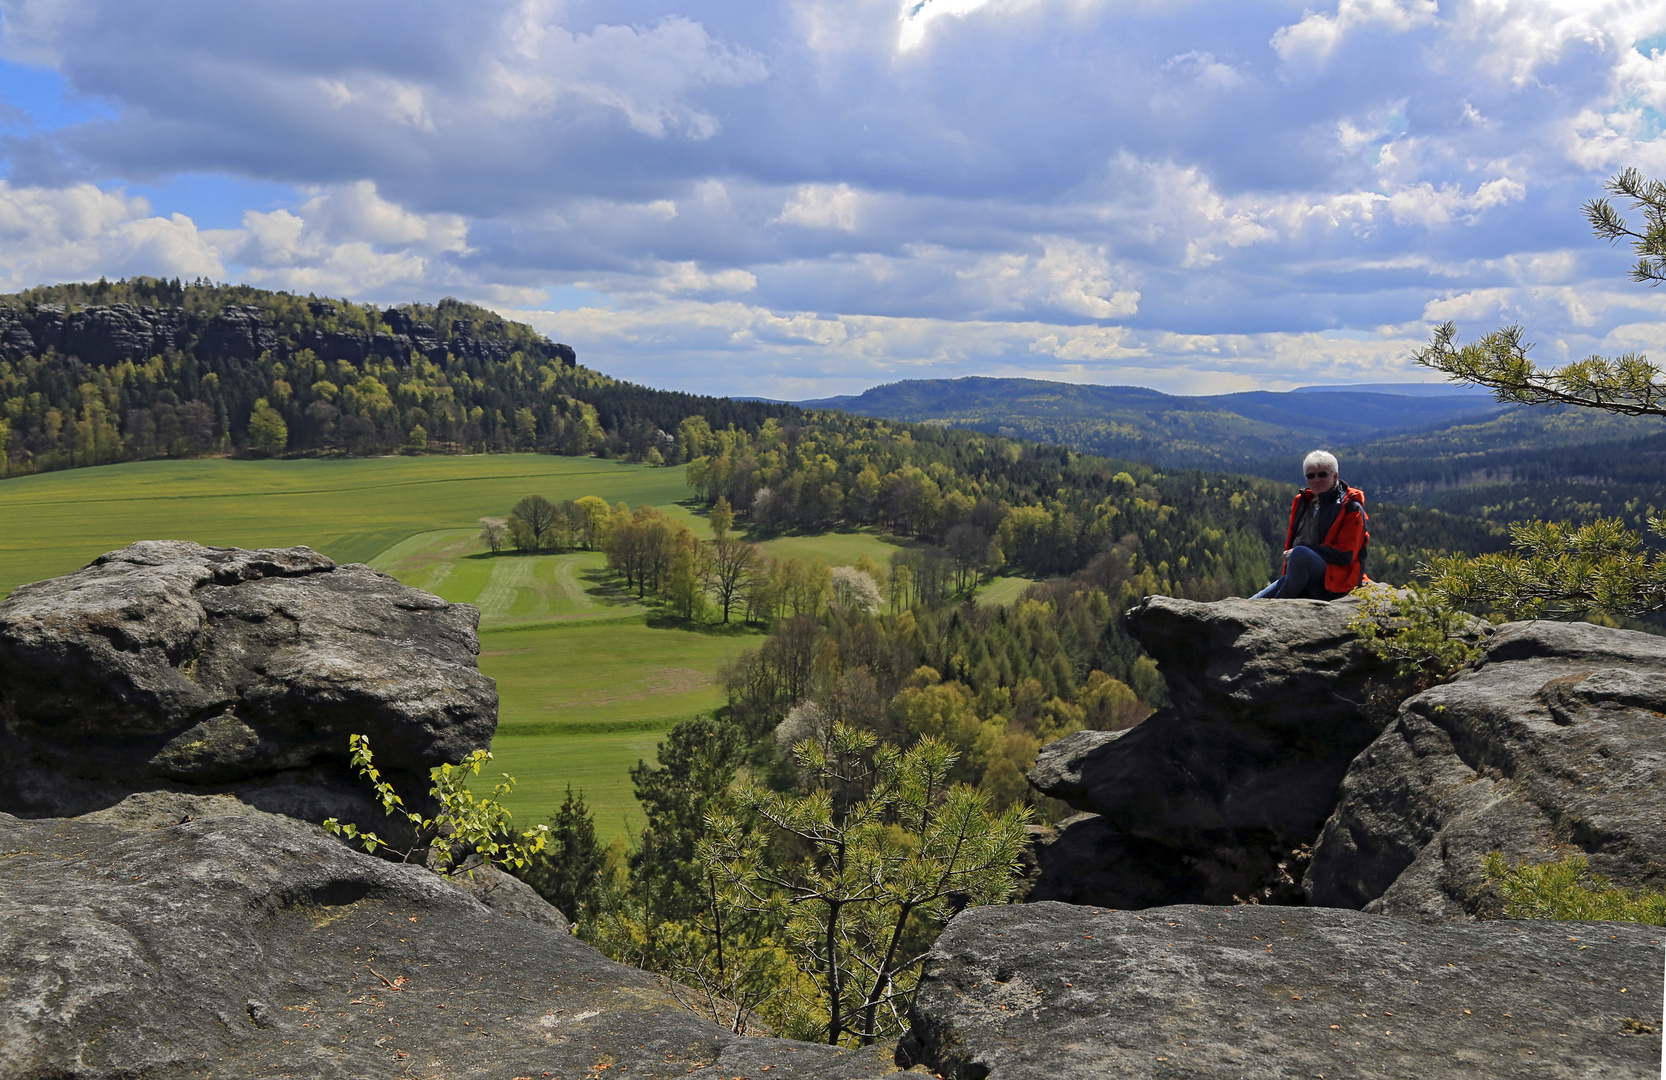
<point>1304,576</point>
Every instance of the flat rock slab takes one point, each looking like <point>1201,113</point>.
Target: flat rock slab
<point>1054,990</point>
<point>235,943</point>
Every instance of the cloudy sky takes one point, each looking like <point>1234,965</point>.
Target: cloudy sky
<point>794,198</point>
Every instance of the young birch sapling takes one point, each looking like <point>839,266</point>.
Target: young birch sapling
<point>465,825</point>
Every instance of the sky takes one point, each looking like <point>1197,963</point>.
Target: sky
<point>810,197</point>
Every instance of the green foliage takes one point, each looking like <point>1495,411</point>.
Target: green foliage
<point>1567,890</point>
<point>485,385</point>
<point>1418,631</point>
<point>697,762</point>
<point>570,869</point>
<point>996,683</point>
<point>465,825</point>
<point>1628,384</point>
<point>862,870</point>
<point>1558,569</point>
<point>1561,571</point>
<point>670,916</point>
<point>1648,197</point>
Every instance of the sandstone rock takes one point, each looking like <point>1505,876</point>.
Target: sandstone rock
<point>1206,798</point>
<point>103,335</point>
<point>506,894</point>
<point>175,937</point>
<point>1554,745</point>
<point>237,332</point>
<point>1054,990</point>
<point>171,665</point>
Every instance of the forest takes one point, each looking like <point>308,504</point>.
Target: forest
<point>316,377</point>
<point>865,774</point>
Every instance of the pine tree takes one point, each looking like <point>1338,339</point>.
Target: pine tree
<point>1555,569</point>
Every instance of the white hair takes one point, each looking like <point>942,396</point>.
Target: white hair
<point>1320,457</point>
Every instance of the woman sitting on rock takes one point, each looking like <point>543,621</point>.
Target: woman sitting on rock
<point>1324,551</point>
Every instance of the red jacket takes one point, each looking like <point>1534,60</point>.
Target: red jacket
<point>1347,538</point>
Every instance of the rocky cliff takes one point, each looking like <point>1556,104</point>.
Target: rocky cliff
<point>176,936</point>
<point>109,334</point>
<point>1215,796</point>
<point>1054,990</point>
<point>1554,745</point>
<point>157,920</point>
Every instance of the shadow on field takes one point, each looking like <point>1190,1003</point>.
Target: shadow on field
<point>664,620</point>
<point>606,588</point>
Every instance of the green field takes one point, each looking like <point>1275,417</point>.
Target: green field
<point>588,682</point>
<point>1001,591</point>
<point>589,679</point>
<point>351,510</point>
<point>840,548</point>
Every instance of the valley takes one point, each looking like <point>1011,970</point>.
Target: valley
<point>589,678</point>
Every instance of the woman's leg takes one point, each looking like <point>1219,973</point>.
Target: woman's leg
<point>1270,592</point>
<point>1304,574</point>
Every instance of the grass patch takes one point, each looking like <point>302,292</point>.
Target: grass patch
<point>591,672</point>
<point>597,762</point>
<point>1001,591</point>
<point>509,588</point>
<point>840,548</point>
<point>581,701</point>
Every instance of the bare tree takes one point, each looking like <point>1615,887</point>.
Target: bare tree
<point>730,569</point>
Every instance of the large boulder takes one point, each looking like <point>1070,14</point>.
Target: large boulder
<point>1055,990</point>
<point>176,936</point>
<point>1213,795</point>
<point>1554,745</point>
<point>169,665</point>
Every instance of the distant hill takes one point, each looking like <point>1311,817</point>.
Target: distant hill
<point>1560,463</point>
<point>1449,448</point>
<point>1233,431</point>
<point>99,372</point>
<point>1425,389</point>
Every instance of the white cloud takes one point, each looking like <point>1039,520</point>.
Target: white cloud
<point>392,100</point>
<point>645,73</point>
<point>1308,44</point>
<point>81,232</point>
<point>1427,205</point>
<point>687,278</point>
<point>821,206</point>
<point>782,193</point>
<point>918,15</point>
<point>1205,69</point>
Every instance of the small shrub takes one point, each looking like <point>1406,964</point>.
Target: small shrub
<point>1567,890</point>
<point>464,826</point>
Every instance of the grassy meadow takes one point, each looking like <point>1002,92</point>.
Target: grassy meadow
<point>589,680</point>
<point>350,509</point>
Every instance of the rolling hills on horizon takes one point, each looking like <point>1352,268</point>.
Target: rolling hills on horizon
<point>1229,431</point>
<point>1450,448</point>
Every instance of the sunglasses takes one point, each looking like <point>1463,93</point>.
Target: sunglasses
<point>1316,475</point>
